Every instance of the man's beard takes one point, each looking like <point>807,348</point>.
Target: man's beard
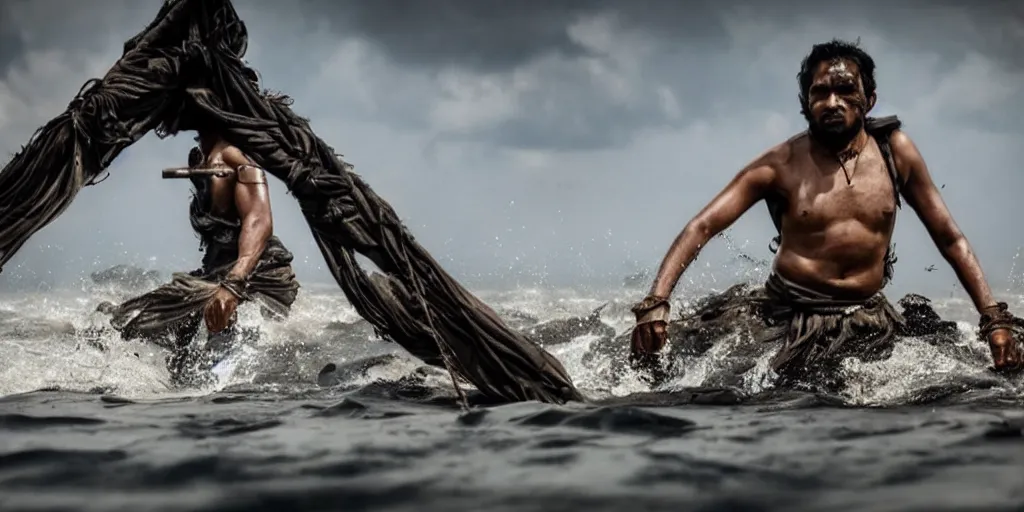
<point>835,137</point>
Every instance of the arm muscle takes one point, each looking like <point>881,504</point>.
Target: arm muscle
<point>923,196</point>
<point>748,187</point>
<point>252,201</point>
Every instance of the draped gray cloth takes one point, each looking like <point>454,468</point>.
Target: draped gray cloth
<point>816,330</point>
<point>811,333</point>
<point>167,314</point>
<point>185,70</point>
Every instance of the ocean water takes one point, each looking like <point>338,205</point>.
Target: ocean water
<point>89,422</point>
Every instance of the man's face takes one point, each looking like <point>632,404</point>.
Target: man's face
<point>836,102</point>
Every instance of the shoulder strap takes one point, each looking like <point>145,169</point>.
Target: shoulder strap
<point>880,128</point>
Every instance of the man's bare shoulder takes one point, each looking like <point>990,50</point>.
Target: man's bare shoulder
<point>786,149</point>
<point>245,172</point>
<point>233,157</point>
<point>780,156</point>
<point>763,172</point>
<point>905,154</point>
<point>902,144</point>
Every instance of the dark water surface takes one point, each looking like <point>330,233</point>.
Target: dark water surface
<point>929,429</point>
<point>365,451</point>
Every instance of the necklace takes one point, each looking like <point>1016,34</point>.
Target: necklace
<point>845,155</point>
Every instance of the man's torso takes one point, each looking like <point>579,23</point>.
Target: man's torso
<point>214,215</point>
<point>835,233</point>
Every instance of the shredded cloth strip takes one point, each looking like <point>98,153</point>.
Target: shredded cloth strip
<point>186,67</point>
<point>163,311</point>
<point>816,329</point>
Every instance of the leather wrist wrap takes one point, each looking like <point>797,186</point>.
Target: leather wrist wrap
<point>238,287</point>
<point>651,309</point>
<point>994,318</point>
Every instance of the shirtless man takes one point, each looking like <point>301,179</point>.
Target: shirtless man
<point>241,195</point>
<point>834,200</point>
<point>243,261</point>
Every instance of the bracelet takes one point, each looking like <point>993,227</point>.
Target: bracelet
<point>994,318</point>
<point>261,181</point>
<point>652,309</point>
<point>238,287</point>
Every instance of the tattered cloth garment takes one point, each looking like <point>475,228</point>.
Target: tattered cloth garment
<point>170,315</point>
<point>817,331</point>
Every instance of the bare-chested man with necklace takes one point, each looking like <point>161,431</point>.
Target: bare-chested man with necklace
<point>833,192</point>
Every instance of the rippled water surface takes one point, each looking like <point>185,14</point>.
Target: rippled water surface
<point>88,422</point>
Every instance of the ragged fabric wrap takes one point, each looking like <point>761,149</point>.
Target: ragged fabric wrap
<point>807,334</point>
<point>185,70</point>
<point>170,315</point>
<point>816,330</point>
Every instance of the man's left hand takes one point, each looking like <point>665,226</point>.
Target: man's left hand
<point>1006,353</point>
<point>220,310</point>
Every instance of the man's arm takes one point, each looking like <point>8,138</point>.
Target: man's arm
<point>748,187</point>
<point>252,201</point>
<point>923,196</point>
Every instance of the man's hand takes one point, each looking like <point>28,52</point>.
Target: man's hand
<point>996,322</point>
<point>650,333</point>
<point>220,310</point>
<point>1006,354</point>
<point>649,338</point>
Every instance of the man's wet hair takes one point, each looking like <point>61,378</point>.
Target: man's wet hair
<point>830,51</point>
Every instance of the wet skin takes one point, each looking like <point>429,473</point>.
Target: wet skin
<point>241,195</point>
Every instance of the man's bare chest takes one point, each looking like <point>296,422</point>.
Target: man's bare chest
<point>822,192</point>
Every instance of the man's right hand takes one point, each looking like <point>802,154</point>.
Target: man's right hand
<point>996,328</point>
<point>219,312</point>
<point>1006,354</point>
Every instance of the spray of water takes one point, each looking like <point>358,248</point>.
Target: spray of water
<point>54,339</point>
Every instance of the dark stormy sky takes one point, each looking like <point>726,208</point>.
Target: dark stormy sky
<point>554,141</point>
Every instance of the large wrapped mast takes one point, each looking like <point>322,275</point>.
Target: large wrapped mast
<point>186,69</point>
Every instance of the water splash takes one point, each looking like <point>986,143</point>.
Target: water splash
<point>55,340</point>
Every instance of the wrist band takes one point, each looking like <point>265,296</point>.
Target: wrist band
<point>659,314</point>
<point>994,318</point>
<point>652,309</point>
<point>238,287</point>
<point>238,174</point>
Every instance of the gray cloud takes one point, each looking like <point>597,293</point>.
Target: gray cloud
<point>545,140</point>
<point>613,69</point>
